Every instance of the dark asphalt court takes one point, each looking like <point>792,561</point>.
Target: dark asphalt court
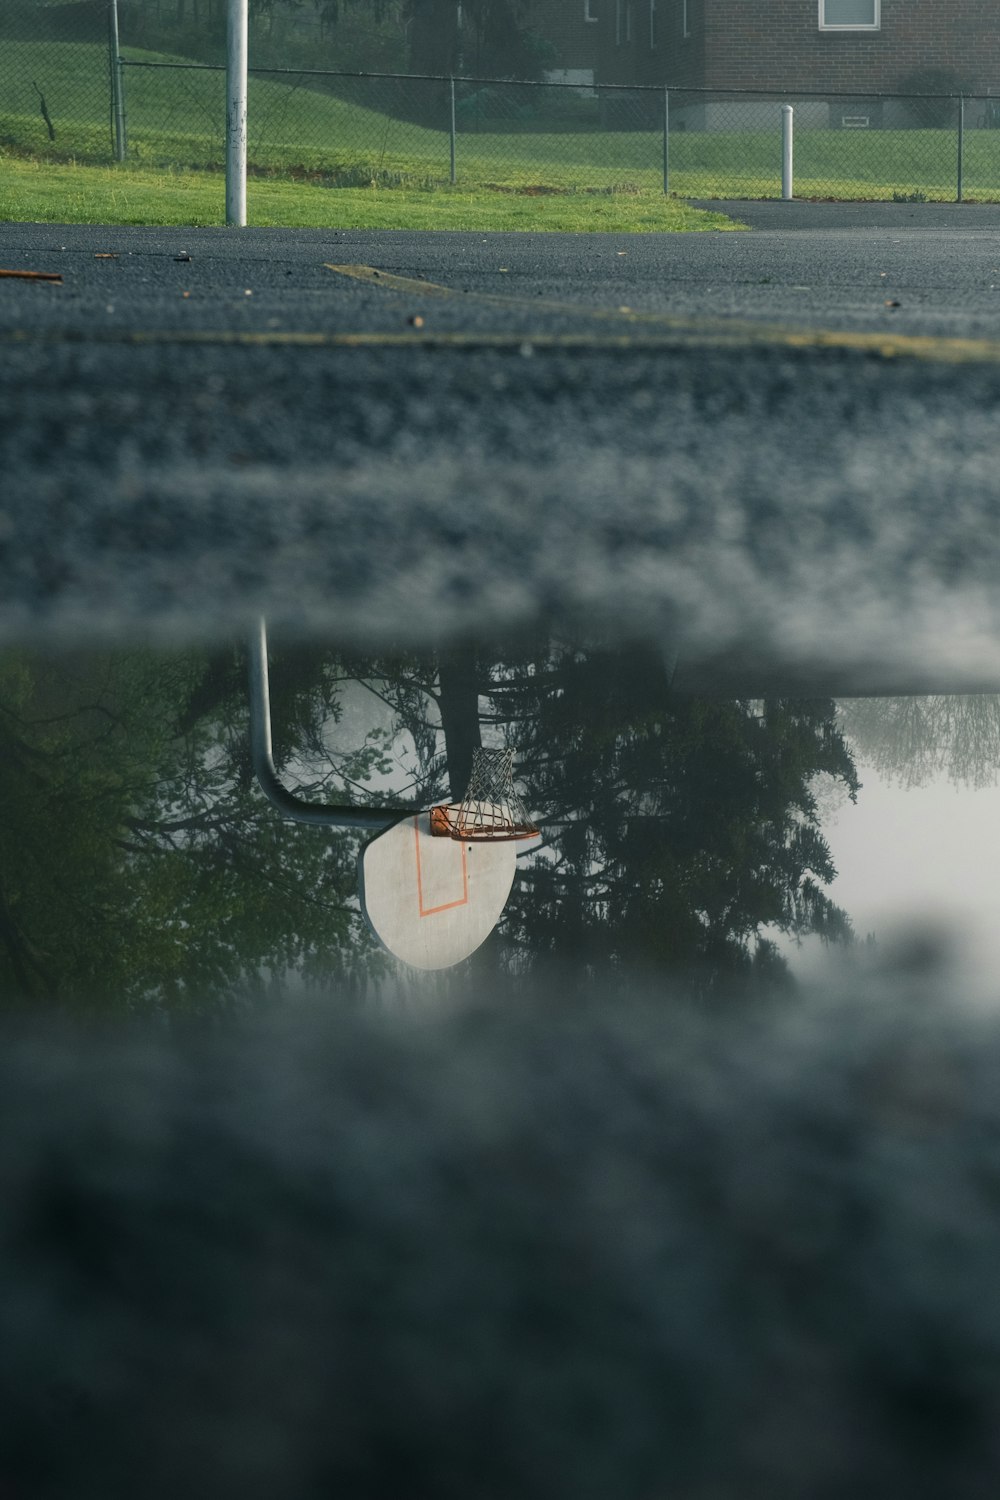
<point>776,443</point>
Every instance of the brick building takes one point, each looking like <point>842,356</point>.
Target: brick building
<point>827,46</point>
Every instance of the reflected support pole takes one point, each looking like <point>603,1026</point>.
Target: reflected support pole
<point>237,25</point>
<point>324,815</point>
<point>787,147</point>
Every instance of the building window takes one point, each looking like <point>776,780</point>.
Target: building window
<point>849,15</point>
<point>588,11</point>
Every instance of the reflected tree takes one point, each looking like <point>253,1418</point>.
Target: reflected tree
<point>139,867</point>
<point>678,832</point>
<point>913,741</point>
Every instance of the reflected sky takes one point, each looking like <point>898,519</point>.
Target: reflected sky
<point>906,854</point>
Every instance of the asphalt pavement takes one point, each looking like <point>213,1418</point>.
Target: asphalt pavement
<point>777,442</point>
<point>885,268</point>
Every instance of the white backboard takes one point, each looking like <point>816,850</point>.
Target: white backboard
<point>432,901</point>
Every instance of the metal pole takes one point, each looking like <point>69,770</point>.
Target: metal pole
<point>236,112</point>
<point>117,83</point>
<point>666,142</point>
<point>787,134</point>
<point>327,815</point>
<point>452,132</point>
<point>961,147</point>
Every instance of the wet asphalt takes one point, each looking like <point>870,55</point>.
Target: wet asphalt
<point>778,442</point>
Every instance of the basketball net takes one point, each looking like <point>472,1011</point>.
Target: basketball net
<point>490,809</point>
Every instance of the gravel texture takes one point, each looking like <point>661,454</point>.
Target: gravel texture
<point>800,504</point>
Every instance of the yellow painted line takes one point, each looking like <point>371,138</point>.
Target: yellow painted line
<point>417,286</point>
<point>731,332</point>
<point>367,340</point>
<point>411,340</point>
<point>393,283</point>
<point>717,335</point>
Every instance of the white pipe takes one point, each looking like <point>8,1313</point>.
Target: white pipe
<point>787,132</point>
<point>236,112</point>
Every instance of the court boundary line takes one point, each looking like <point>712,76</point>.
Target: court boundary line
<point>915,347</point>
<point>733,331</point>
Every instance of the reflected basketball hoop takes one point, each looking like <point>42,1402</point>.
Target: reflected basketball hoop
<point>491,810</point>
<point>434,886</point>
<point>430,900</point>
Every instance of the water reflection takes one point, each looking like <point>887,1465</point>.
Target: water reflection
<point>143,869</point>
<point>140,868</point>
<point>916,740</point>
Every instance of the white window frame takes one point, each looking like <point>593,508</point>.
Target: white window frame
<point>588,14</point>
<point>875,25</point>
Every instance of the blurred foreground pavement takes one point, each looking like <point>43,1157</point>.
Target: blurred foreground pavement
<point>557,1248</point>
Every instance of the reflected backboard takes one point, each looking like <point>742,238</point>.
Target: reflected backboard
<point>432,901</point>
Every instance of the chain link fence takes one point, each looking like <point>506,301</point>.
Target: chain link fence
<point>537,138</point>
<point>57,101</point>
<point>56,80</point>
<point>911,148</point>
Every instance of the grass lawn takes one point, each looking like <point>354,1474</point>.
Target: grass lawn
<point>42,192</point>
<point>366,134</point>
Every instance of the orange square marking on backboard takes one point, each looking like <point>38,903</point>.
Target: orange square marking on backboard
<point>430,910</point>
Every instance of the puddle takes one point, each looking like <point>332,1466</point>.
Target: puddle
<point>711,839</point>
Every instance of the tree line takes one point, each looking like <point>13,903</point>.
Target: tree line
<point>484,38</point>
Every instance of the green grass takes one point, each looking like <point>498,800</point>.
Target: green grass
<point>174,120</point>
<point>37,192</point>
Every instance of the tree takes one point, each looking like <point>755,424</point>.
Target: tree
<point>484,38</point>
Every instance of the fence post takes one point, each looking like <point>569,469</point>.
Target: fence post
<point>787,133</point>
<point>666,142</point>
<point>451,130</point>
<point>117,83</point>
<point>961,146</point>
<point>236,112</point>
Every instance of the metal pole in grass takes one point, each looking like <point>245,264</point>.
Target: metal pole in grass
<point>787,132</point>
<point>961,147</point>
<point>451,130</point>
<point>666,142</point>
<point>117,89</point>
<point>236,112</point>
